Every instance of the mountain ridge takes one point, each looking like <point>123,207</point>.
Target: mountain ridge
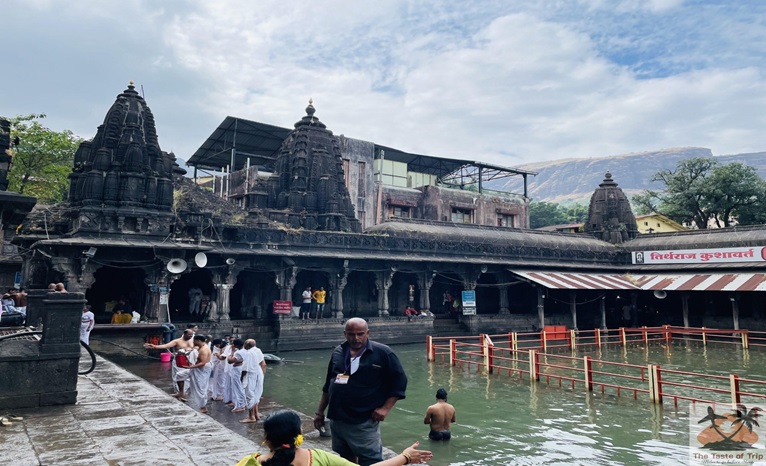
<point>574,180</point>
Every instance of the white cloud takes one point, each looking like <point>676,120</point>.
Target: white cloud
<point>499,81</point>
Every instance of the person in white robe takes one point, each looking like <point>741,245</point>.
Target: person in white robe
<point>236,360</point>
<point>253,371</point>
<point>200,375</point>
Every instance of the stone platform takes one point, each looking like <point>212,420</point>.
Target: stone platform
<point>120,419</point>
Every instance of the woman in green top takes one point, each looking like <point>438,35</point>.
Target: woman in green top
<point>284,438</point>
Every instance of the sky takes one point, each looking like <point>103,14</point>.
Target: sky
<point>506,82</point>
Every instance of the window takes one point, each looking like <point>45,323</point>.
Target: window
<point>506,220</point>
<point>399,211</point>
<point>462,215</point>
<point>362,186</point>
<point>646,224</point>
<point>346,171</point>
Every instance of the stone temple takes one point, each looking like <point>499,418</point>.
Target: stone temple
<point>377,227</point>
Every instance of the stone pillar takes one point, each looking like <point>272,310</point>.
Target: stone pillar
<point>223,292</point>
<point>155,281</point>
<point>35,306</point>
<point>573,308</point>
<point>504,310</point>
<point>341,279</point>
<point>61,324</point>
<point>425,281</point>
<point>685,308</point>
<point>286,280</point>
<point>734,298</point>
<point>602,308</point>
<point>383,281</point>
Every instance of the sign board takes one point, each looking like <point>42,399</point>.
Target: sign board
<point>700,256</point>
<point>469,302</point>
<point>283,307</point>
<point>164,299</point>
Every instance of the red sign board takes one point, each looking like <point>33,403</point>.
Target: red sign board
<point>283,307</point>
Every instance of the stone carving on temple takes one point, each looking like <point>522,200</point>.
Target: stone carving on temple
<point>610,217</point>
<point>122,175</point>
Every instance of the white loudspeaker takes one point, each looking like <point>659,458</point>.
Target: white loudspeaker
<point>660,294</point>
<point>394,267</point>
<point>484,268</point>
<point>176,265</point>
<point>200,259</point>
<point>230,261</point>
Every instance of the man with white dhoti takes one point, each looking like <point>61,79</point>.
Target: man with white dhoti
<point>253,371</point>
<point>216,383</point>
<point>178,372</point>
<point>236,360</point>
<point>200,375</point>
<point>86,325</point>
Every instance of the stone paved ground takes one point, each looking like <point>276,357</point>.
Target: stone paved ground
<point>120,419</point>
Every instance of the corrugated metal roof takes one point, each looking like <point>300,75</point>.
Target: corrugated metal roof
<point>703,282</point>
<point>578,281</point>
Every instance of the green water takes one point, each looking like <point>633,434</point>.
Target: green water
<point>504,421</point>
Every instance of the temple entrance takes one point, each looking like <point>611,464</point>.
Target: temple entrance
<point>445,292</point>
<point>360,297</point>
<point>314,280</point>
<point>190,296</point>
<point>113,283</point>
<point>403,292</point>
<point>253,295</point>
<point>487,294</point>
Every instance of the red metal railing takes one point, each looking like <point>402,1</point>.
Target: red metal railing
<point>529,354</point>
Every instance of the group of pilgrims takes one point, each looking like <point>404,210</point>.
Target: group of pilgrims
<point>220,369</point>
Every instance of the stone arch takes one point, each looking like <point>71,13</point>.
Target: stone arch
<point>178,300</point>
<point>253,295</point>
<point>360,297</point>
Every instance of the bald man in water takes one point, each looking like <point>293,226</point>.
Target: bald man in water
<point>439,416</point>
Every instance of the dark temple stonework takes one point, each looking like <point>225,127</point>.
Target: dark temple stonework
<point>309,189</point>
<point>122,182</point>
<point>610,217</point>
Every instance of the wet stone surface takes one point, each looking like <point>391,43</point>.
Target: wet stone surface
<point>120,419</point>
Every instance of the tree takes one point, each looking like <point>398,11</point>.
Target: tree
<point>42,160</point>
<point>700,191</point>
<point>543,214</point>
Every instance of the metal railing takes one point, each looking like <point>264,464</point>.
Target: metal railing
<point>529,354</point>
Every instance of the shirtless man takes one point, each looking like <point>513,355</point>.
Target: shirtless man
<point>440,415</point>
<point>179,374</point>
<point>200,375</point>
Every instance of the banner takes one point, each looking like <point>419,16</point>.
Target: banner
<point>701,256</point>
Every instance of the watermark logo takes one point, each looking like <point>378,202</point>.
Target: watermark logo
<point>719,435</point>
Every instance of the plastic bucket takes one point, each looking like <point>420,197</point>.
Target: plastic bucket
<point>164,357</point>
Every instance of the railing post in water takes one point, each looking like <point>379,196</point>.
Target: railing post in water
<point>745,340</point>
<point>646,335</point>
<point>668,338</point>
<point>573,339</point>
<point>489,359</point>
<point>734,384</point>
<point>534,366</point>
<point>452,352</point>
<point>515,343</point>
<point>704,337</point>
<point>655,384</point>
<point>588,374</point>
<point>598,337</point>
<point>543,341</point>
<point>430,356</point>
<point>624,338</point>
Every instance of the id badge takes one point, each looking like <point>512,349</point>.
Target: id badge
<point>341,379</point>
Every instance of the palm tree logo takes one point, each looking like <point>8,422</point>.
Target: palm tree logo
<point>730,431</point>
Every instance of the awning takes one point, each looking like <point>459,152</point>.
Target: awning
<point>578,281</point>
<point>702,282</point>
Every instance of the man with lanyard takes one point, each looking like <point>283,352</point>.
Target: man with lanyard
<point>364,381</point>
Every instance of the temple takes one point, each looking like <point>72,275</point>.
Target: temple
<point>377,227</point>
